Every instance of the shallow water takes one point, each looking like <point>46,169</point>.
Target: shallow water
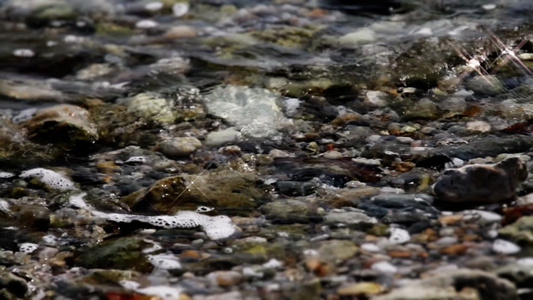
<point>276,149</point>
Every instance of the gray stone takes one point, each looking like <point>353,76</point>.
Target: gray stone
<point>64,124</point>
<point>348,218</point>
<point>179,146</point>
<point>221,137</point>
<point>481,183</point>
<point>151,108</point>
<point>488,85</point>
<point>293,211</point>
<point>463,284</point>
<point>520,231</point>
<point>256,112</point>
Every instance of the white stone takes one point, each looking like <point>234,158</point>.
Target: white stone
<point>384,267</point>
<point>360,36</point>
<point>399,235</point>
<point>136,159</point>
<point>222,137</point>
<point>272,264</point>
<point>333,154</point>
<point>505,247</point>
<point>369,247</point>
<point>255,112</point>
<point>480,126</point>
<point>78,201</point>
<point>489,6</point>
<point>377,98</point>
<point>146,24</point>
<point>153,6</point>
<point>180,9</point>
<point>166,261</point>
<point>483,214</point>
<point>24,53</point>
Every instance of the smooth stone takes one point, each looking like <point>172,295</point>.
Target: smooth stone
<point>178,32</point>
<point>333,154</point>
<point>487,85</point>
<point>348,218</point>
<point>64,124</point>
<point>256,112</point>
<point>336,251</point>
<point>222,137</point>
<point>361,288</point>
<point>151,108</point>
<point>179,146</point>
<point>376,98</point>
<point>293,211</point>
<point>225,278</point>
<point>481,183</point>
<point>479,126</point>
<point>363,35</point>
<point>474,285</point>
<point>520,232</point>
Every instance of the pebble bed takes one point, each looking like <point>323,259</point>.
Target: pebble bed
<point>273,149</point>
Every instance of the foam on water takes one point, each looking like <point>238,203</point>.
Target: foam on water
<point>217,227</point>
<point>50,178</point>
<point>28,247</point>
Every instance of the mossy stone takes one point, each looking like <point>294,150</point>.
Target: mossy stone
<point>123,254</point>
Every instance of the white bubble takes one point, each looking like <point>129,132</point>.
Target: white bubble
<point>50,178</point>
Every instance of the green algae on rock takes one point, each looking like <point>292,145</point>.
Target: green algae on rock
<point>227,191</point>
<point>123,254</point>
<point>63,125</point>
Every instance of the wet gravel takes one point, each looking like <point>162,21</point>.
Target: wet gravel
<point>279,149</point>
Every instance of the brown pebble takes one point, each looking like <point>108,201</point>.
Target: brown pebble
<point>449,220</point>
<point>400,254</point>
<point>455,249</point>
<point>191,254</point>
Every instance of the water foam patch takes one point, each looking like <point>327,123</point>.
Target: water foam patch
<point>28,247</point>
<point>50,178</point>
<point>217,227</point>
<point>6,175</point>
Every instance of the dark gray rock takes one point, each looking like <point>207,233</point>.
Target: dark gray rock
<point>481,183</point>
